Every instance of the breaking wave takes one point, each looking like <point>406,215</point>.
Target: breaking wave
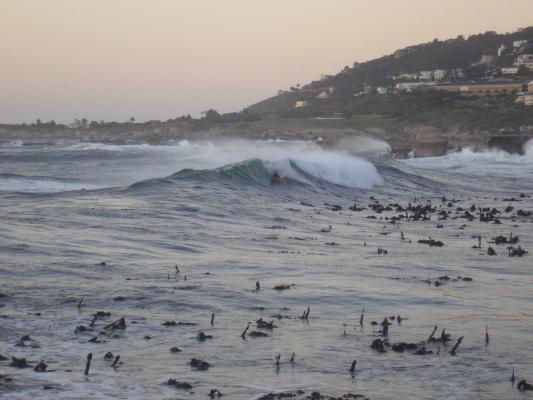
<point>489,162</point>
<point>299,161</point>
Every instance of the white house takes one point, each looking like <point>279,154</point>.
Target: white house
<point>526,99</point>
<point>382,90</point>
<point>524,59</point>
<point>408,77</point>
<point>409,86</point>
<point>425,75</point>
<point>458,73</point>
<point>77,124</point>
<point>509,70</point>
<point>300,104</point>
<point>367,90</point>
<point>519,43</point>
<point>487,59</point>
<point>323,95</point>
<point>439,74</point>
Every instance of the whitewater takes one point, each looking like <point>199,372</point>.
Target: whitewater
<point>184,230</point>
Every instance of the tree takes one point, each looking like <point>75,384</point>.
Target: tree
<point>131,120</point>
<point>212,115</point>
<point>38,122</point>
<point>523,70</point>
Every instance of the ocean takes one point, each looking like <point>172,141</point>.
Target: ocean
<point>157,234</point>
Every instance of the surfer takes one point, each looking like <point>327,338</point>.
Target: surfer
<point>276,178</point>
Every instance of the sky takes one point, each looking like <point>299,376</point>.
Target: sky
<point>159,59</point>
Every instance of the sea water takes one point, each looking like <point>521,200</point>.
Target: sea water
<point>109,223</point>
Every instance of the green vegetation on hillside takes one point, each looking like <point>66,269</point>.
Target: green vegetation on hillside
<point>443,110</point>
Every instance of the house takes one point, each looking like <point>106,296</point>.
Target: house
<point>487,88</point>
<point>409,86</point>
<point>300,104</point>
<point>486,59</point>
<point>77,124</point>
<point>524,59</point>
<point>323,95</point>
<point>439,74</point>
<point>382,90</point>
<point>457,73</point>
<point>407,77</point>
<point>519,43</point>
<point>425,75</point>
<point>525,99</point>
<point>509,70</point>
<point>530,87</point>
<point>367,90</point>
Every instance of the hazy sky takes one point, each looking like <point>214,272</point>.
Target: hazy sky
<point>158,59</point>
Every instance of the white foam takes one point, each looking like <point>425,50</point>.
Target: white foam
<point>495,162</point>
<point>334,166</point>
<point>30,185</point>
<point>364,146</point>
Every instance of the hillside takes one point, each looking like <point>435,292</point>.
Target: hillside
<point>344,93</point>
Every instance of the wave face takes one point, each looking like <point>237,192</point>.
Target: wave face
<point>298,161</point>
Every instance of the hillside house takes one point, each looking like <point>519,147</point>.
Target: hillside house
<point>519,43</point>
<point>489,88</point>
<point>425,75</point>
<point>300,104</point>
<point>439,74</point>
<point>406,77</point>
<point>382,90</point>
<point>409,86</point>
<point>501,50</point>
<point>509,70</point>
<point>525,99</point>
<point>524,59</point>
<point>486,60</point>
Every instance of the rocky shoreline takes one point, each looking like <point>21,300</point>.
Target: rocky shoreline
<point>417,140</point>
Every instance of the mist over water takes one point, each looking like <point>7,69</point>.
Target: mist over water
<point>496,162</point>
<point>122,165</point>
<point>210,208</point>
